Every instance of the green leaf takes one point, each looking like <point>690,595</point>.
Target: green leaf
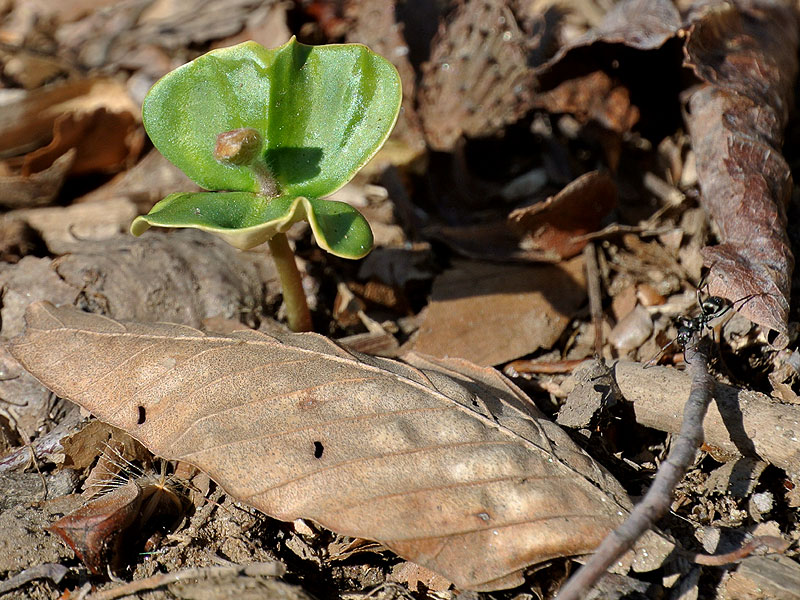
<point>322,113</point>
<point>245,219</point>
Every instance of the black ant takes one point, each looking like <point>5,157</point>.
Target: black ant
<point>711,309</point>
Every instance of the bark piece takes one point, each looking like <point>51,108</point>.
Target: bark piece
<point>747,54</point>
<point>761,577</point>
<point>183,277</point>
<point>374,24</point>
<point>490,314</point>
<point>444,462</point>
<point>477,79</point>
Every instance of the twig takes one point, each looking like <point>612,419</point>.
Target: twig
<point>595,298</point>
<point>52,571</point>
<point>659,497</point>
<point>38,470</point>
<point>773,543</point>
<point>263,569</point>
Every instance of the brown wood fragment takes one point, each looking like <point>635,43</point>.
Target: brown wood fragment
<point>765,577</point>
<point>753,424</point>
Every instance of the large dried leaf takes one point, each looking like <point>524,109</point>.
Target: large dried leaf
<point>453,469</point>
<point>490,314</point>
<point>748,56</point>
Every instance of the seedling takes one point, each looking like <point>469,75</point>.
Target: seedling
<point>271,133</point>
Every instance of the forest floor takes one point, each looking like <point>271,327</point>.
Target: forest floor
<point>565,180</point>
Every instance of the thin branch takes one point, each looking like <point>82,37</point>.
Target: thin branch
<point>659,497</point>
<point>264,569</point>
<point>595,297</point>
<point>773,543</point>
<point>52,571</point>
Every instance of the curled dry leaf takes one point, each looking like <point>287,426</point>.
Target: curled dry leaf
<point>640,24</point>
<point>447,464</point>
<point>477,79</point>
<point>576,210</point>
<point>95,531</point>
<point>105,141</point>
<point>38,189</point>
<point>748,56</point>
<point>593,97</point>
<point>634,47</point>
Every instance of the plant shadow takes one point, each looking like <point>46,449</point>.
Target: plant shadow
<point>295,165</point>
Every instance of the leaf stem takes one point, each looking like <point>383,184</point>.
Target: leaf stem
<point>297,313</point>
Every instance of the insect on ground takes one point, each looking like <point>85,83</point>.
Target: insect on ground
<point>713,311</point>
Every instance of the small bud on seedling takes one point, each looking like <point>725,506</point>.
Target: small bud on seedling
<point>238,147</point>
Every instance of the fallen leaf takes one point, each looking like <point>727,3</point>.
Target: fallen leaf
<point>477,79</point>
<point>105,142</point>
<point>106,531</point>
<point>576,210</point>
<point>593,97</point>
<point>636,45</point>
<point>65,229</point>
<point>445,463</point>
<point>412,575</point>
<point>748,57</point>
<point>95,531</point>
<point>490,314</point>
<point>29,122</point>
<point>39,189</point>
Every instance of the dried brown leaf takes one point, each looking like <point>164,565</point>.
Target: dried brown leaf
<point>640,24</point>
<point>477,79</point>
<point>576,210</point>
<point>593,97</point>
<point>490,314</point>
<point>95,531</point>
<point>39,189</point>
<point>632,45</point>
<point>448,464</point>
<point>28,122</point>
<point>748,56</point>
<point>105,142</point>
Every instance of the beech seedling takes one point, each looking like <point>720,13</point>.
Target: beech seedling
<point>270,133</point>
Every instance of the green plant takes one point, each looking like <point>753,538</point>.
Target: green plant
<point>272,132</point>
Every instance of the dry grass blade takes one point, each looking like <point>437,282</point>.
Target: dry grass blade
<point>446,463</point>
